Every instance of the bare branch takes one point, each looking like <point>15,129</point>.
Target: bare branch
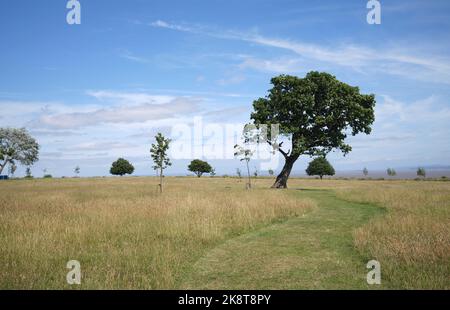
<point>278,147</point>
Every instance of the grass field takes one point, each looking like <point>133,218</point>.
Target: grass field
<point>212,233</point>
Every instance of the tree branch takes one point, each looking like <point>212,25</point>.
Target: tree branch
<point>285,154</point>
<point>5,162</point>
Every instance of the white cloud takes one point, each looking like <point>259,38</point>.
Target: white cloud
<point>427,111</point>
<point>130,56</point>
<point>397,61</point>
<point>98,146</point>
<point>280,65</point>
<point>124,113</point>
<point>234,79</point>
<point>129,98</point>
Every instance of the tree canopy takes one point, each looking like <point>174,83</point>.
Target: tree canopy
<point>320,166</point>
<point>17,145</point>
<point>121,167</point>
<point>199,167</point>
<point>316,113</point>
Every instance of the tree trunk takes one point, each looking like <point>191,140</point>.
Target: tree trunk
<point>2,166</point>
<point>281,181</point>
<point>160,180</point>
<point>249,179</point>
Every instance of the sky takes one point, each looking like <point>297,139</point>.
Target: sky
<point>99,90</point>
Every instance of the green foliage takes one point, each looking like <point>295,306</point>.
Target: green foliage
<point>121,167</point>
<point>421,172</point>
<point>17,145</point>
<point>320,166</point>
<point>249,136</point>
<point>391,172</point>
<point>271,172</point>
<point>160,157</point>
<point>245,152</point>
<point>159,152</point>
<point>77,170</point>
<point>48,176</point>
<point>199,167</point>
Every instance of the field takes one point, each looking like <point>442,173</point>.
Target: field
<point>212,233</point>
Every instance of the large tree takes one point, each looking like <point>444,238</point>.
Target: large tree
<point>199,167</point>
<point>17,145</point>
<point>316,113</point>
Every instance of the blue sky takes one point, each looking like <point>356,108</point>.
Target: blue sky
<point>100,90</point>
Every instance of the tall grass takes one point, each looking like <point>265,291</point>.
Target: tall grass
<point>412,242</point>
<point>122,231</point>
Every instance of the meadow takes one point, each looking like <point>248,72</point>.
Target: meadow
<point>212,233</point>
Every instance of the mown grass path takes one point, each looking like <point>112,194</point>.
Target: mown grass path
<point>314,251</point>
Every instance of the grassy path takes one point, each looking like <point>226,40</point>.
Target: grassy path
<point>310,252</point>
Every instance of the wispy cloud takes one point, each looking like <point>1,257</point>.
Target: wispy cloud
<point>121,114</point>
<point>128,97</point>
<point>279,65</point>
<point>234,79</point>
<point>130,56</point>
<point>98,146</point>
<point>426,67</point>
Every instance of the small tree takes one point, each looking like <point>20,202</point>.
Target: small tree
<point>160,157</point>
<point>199,167</point>
<point>121,167</point>
<point>320,166</point>
<point>17,145</point>
<point>12,169</point>
<point>245,152</point>
<point>238,173</point>
<point>212,173</point>
<point>28,174</point>
<point>421,172</point>
<point>271,172</point>
<point>255,173</point>
<point>365,171</point>
<point>77,170</point>
<point>391,172</point>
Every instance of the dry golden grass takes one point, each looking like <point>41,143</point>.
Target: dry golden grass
<point>123,232</point>
<point>412,242</point>
<point>128,236</point>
